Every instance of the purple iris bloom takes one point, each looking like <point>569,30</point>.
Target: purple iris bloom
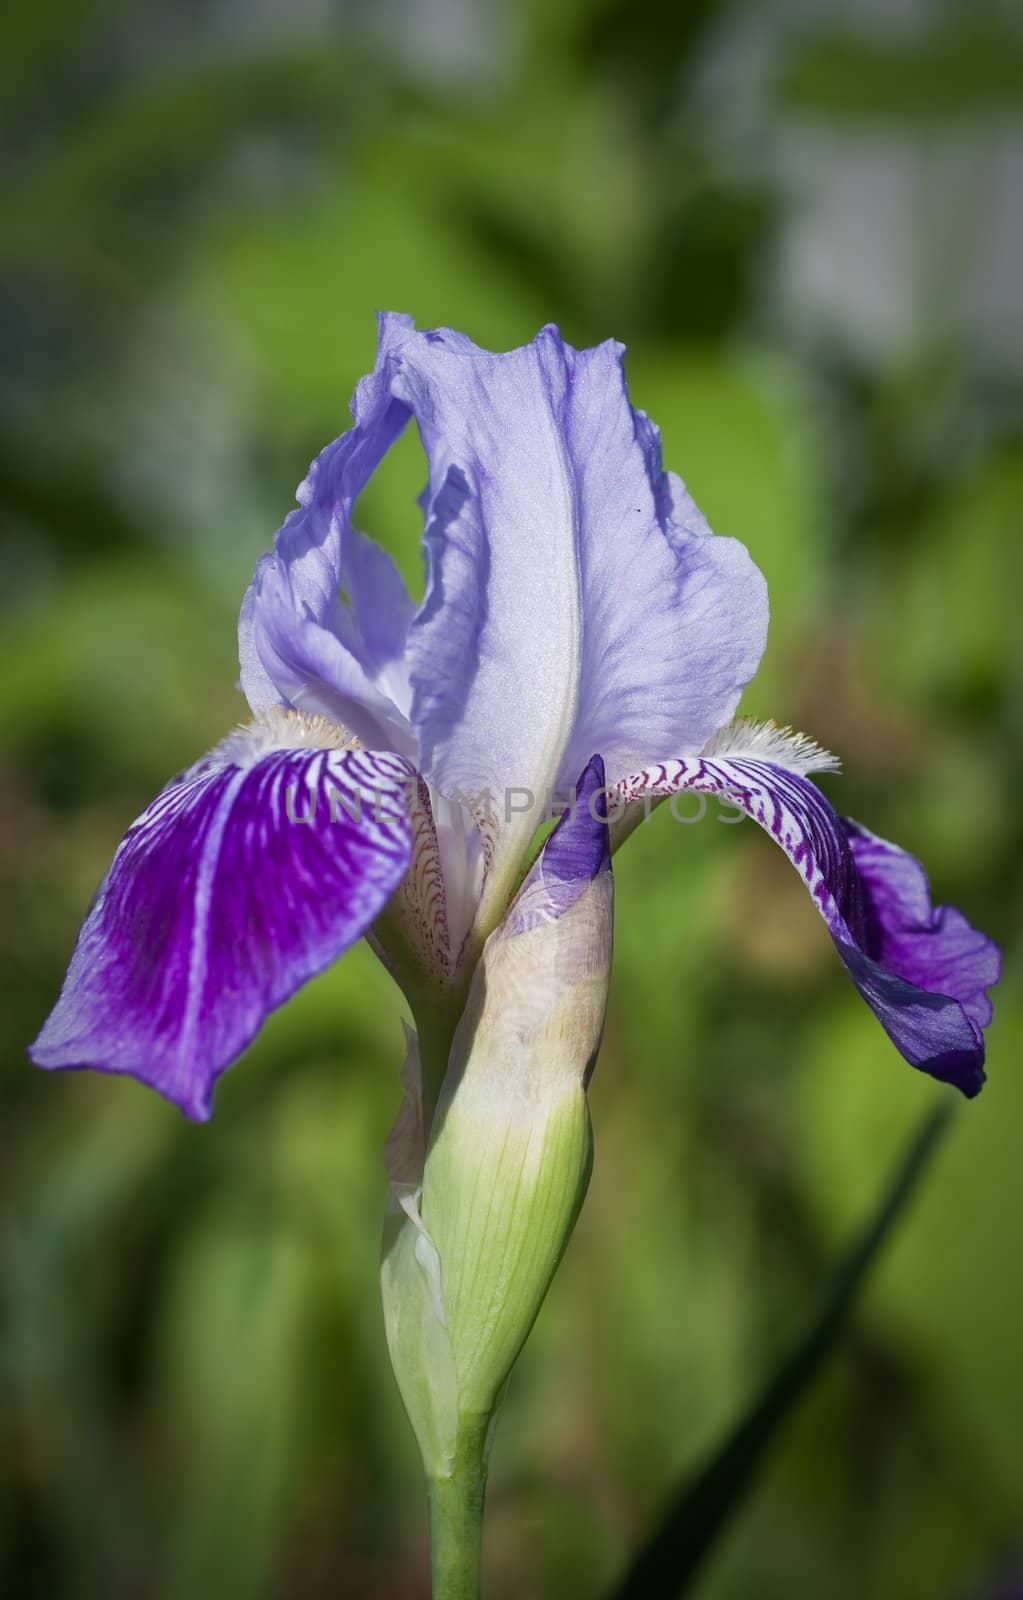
<point>402,757</point>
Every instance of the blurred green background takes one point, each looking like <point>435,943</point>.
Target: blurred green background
<point>804,219</point>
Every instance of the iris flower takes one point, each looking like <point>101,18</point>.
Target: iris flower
<point>401,760</point>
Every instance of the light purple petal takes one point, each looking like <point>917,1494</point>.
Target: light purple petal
<point>293,659</point>
<point>923,970</point>
<point>219,905</point>
<point>299,644</point>
<point>567,610</point>
<point>575,598</point>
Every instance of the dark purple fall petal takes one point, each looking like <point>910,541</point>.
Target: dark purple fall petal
<point>923,970</point>
<point>220,903</point>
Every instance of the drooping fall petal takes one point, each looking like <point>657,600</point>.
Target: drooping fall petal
<point>922,969</point>
<point>238,883</point>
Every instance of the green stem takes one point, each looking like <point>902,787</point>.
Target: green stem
<point>456,1516</point>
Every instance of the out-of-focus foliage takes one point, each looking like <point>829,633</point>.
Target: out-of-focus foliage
<point>202,205</point>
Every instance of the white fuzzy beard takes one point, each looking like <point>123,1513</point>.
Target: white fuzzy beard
<point>765,741</point>
<point>280,729</point>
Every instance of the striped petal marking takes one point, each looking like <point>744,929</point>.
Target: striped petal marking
<point>243,879</point>
<point>922,969</point>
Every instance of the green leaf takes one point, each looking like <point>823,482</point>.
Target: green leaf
<point>676,1550</point>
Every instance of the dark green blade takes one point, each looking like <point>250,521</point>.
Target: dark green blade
<point>695,1517</point>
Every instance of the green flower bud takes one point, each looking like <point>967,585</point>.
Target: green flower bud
<point>471,1247</point>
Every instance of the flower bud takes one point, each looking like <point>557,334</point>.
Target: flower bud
<point>467,1266</point>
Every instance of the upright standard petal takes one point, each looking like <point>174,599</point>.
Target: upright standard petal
<point>240,882</point>
<point>923,970</point>
<point>299,644</point>
<point>567,608</point>
<point>575,599</point>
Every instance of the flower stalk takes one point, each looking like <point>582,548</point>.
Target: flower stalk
<point>456,1516</point>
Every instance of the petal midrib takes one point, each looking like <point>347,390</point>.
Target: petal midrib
<point>517,835</point>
